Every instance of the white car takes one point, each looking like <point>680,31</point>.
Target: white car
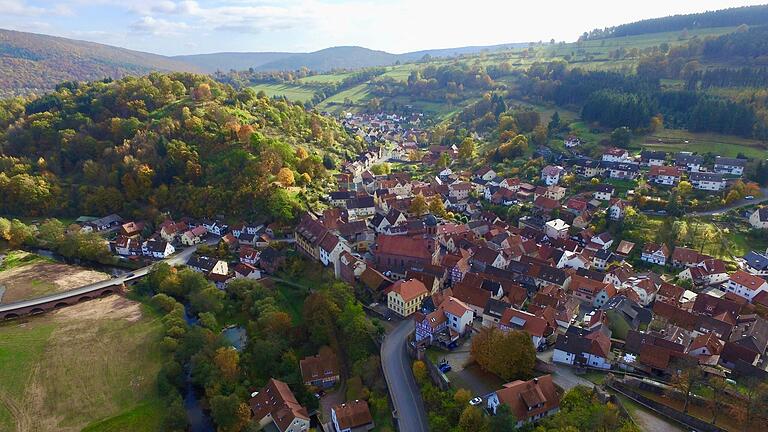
<point>475,401</point>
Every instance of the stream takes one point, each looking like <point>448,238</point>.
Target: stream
<point>199,420</point>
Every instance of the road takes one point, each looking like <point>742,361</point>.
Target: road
<point>737,204</point>
<point>563,375</point>
<point>405,394</point>
<point>176,259</point>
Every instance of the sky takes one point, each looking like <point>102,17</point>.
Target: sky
<point>173,27</point>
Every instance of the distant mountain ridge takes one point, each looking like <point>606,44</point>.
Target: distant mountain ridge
<point>35,63</point>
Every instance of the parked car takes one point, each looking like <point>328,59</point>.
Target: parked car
<point>445,368</point>
<point>749,197</point>
<point>475,401</point>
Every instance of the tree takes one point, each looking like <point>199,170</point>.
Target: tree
<point>540,135</point>
<point>227,360</point>
<point>686,378</point>
<point>473,420</point>
<point>437,208</point>
<point>554,123</point>
<point>420,371</point>
<point>229,413</point>
<point>621,137</point>
<point>508,354</point>
<point>684,188</point>
<point>467,149</point>
<point>418,205</point>
<point>657,122</point>
<point>504,420</point>
<point>381,169</point>
<point>285,177</point>
<point>444,161</point>
<point>301,153</point>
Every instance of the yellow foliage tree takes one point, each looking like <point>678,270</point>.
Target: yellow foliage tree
<point>285,177</point>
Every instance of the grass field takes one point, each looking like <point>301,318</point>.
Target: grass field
<point>292,92</point>
<point>674,140</point>
<point>93,364</point>
<point>25,276</point>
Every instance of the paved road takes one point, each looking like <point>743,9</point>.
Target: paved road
<point>563,375</point>
<point>738,204</point>
<point>402,386</point>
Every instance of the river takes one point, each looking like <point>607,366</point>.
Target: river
<point>199,420</point>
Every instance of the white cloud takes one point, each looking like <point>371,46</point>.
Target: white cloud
<point>19,8</point>
<point>158,27</point>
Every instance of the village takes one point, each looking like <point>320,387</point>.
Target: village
<point>427,244</point>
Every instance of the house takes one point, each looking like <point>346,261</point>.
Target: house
<point>686,257</point>
<point>624,248</point>
<point>102,224</point>
<point>215,227</point>
<point>583,347</point>
<point>616,209</point>
<point>689,162</point>
<point>555,192</point>
<point>486,257</point>
<point>340,198</point>
<point>493,311</point>
<point>158,249</point>
<point>655,253</point>
<point>207,265</point>
<point>529,401</point>
<point>708,272</point>
<point>545,205</point>
<point>275,406</point>
<point>405,296</point>
<point>321,370</point>
<point>556,229</point>
<point>309,234</point>
<point>459,190</point>
<point>615,154</point>
<point>246,271</point>
<point>746,285</point>
<point>352,417</point>
<point>624,314</point>
<point>759,218</point>
<point>597,293</point>
<point>621,171</point>
<point>705,345</point>
<point>170,230</point>
<point>126,246</point>
<point>756,263</point>
<point>485,173</point>
<point>451,319</point>
<point>535,326</point>
<point>550,174</point>
<point>707,181</point>
<point>603,192</point>
<point>193,236</point>
<point>330,249</point>
<point>731,166</point>
<point>653,158</point>
<point>748,341</point>
<point>571,142</point>
<point>588,168</point>
<point>664,175</point>
<point>361,207</point>
<point>395,255</point>
<point>132,229</point>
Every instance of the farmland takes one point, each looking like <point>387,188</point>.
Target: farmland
<point>95,362</point>
<point>25,276</point>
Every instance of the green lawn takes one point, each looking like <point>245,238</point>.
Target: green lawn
<point>291,299</point>
<point>19,258</point>
<point>292,92</point>
<point>324,78</point>
<point>723,145</point>
<point>145,417</point>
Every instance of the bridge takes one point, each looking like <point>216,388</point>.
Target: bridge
<point>87,292</point>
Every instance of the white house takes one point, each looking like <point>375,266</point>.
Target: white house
<point>556,229</point>
<point>664,175</point>
<point>159,249</point>
<point>583,348</point>
<point>732,166</point>
<point>707,181</point>
<point>655,253</point>
<point>759,218</point>
<point>331,247</point>
<point>616,210</point>
<point>603,192</point>
<point>746,285</point>
<point>550,174</point>
<point>616,155</point>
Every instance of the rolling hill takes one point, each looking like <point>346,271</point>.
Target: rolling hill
<point>226,61</point>
<point>35,63</point>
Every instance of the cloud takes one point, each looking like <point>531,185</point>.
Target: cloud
<point>149,25</point>
<point>19,8</point>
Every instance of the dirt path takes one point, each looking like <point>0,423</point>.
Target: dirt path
<point>20,416</point>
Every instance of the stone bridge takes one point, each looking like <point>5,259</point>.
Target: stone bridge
<point>55,301</point>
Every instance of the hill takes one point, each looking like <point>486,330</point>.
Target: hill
<point>345,57</point>
<point>226,61</point>
<point>180,143</point>
<point>35,63</point>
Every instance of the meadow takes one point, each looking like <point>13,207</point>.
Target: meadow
<point>93,365</point>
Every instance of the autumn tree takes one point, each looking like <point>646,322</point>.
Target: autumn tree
<point>540,135</point>
<point>227,360</point>
<point>686,379</point>
<point>508,354</point>
<point>473,420</point>
<point>420,371</point>
<point>437,208</point>
<point>285,177</point>
<point>419,205</point>
<point>467,149</point>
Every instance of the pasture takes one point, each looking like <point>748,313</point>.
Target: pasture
<point>92,363</point>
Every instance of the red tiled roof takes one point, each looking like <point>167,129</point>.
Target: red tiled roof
<point>353,415</point>
<point>747,280</point>
<point>530,398</point>
<point>409,289</point>
<point>277,399</point>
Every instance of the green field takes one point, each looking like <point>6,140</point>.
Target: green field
<point>93,363</point>
<point>723,145</point>
<point>324,78</point>
<point>292,92</point>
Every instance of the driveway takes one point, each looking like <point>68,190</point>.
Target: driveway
<point>563,375</point>
<point>405,394</point>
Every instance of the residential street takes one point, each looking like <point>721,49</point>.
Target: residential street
<point>405,394</point>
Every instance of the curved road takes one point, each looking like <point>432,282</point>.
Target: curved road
<point>406,395</point>
<point>176,259</point>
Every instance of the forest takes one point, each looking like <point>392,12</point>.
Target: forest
<point>722,18</point>
<point>179,143</point>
